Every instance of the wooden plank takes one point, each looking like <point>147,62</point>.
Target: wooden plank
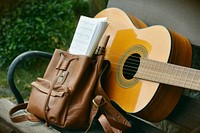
<point>141,126</point>
<point>6,128</point>
<point>138,125</point>
<point>32,127</point>
<point>26,127</point>
<point>186,113</point>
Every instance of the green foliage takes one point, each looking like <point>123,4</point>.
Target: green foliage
<point>96,6</point>
<point>81,7</point>
<point>36,25</point>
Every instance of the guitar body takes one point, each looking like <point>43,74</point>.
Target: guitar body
<point>131,39</point>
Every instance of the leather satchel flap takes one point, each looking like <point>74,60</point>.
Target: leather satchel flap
<point>69,67</point>
<point>57,93</point>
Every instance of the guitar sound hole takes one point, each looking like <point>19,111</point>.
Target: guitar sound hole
<point>131,66</point>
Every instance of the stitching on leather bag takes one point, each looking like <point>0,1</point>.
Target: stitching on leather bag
<point>52,84</point>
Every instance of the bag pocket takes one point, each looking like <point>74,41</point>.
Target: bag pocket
<point>61,97</point>
<point>57,103</point>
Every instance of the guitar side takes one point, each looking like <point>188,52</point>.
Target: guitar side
<point>149,100</point>
<point>167,96</point>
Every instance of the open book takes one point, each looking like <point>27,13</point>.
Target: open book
<point>87,35</point>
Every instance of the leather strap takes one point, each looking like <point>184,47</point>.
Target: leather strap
<point>111,119</point>
<point>94,109</point>
<point>21,118</point>
<point>115,118</point>
<point>105,124</point>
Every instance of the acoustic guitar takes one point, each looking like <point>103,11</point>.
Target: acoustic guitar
<point>149,66</point>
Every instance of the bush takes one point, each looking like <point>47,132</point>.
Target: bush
<point>36,25</point>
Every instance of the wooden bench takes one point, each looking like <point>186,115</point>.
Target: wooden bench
<point>185,117</point>
<point>182,17</point>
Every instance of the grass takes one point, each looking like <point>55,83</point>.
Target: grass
<point>3,80</point>
<point>26,72</point>
<point>4,89</point>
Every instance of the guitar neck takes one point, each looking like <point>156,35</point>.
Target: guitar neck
<point>168,74</point>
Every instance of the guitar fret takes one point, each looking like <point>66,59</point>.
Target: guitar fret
<point>189,78</point>
<point>154,67</point>
<point>150,70</point>
<point>163,79</point>
<point>176,75</point>
<point>145,70</point>
<point>185,73</point>
<point>169,74</point>
<point>181,72</point>
<point>141,73</point>
<point>196,80</point>
<point>158,73</point>
<point>193,85</point>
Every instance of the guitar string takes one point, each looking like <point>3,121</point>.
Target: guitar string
<point>128,59</point>
<point>194,83</point>
<point>138,61</point>
<point>118,56</point>
<point>134,69</point>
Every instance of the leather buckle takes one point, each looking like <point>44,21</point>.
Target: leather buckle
<point>98,105</point>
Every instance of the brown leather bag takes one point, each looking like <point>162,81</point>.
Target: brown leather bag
<point>70,94</point>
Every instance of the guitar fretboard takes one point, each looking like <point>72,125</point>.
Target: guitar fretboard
<point>168,74</point>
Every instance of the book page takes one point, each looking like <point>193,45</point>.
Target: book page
<point>87,35</point>
<point>97,35</point>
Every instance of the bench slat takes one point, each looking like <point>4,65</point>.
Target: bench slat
<point>186,113</point>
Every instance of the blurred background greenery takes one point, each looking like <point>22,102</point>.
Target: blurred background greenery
<point>37,25</point>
